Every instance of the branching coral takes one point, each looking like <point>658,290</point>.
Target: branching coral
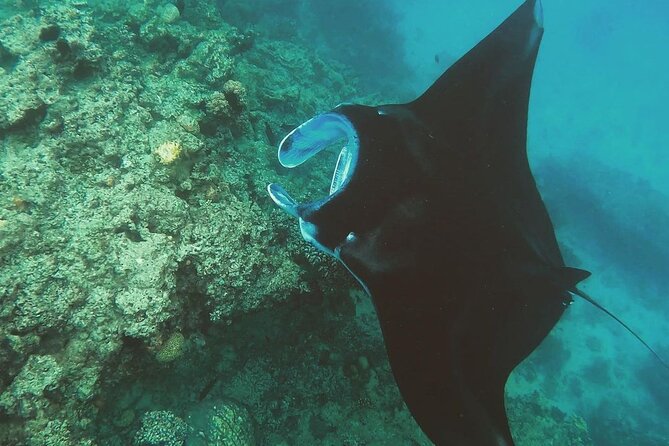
<point>161,428</point>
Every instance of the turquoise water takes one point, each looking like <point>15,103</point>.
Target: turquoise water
<point>151,294</point>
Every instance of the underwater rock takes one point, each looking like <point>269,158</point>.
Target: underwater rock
<point>169,13</point>
<point>161,428</point>
<point>146,300</point>
<point>236,94</point>
<point>231,425</point>
<point>227,108</point>
<point>210,60</point>
<point>54,432</point>
<point>168,39</point>
<point>217,105</point>
<point>224,423</point>
<point>26,396</point>
<point>30,45</point>
<point>20,109</point>
<point>75,30</point>
<point>189,122</point>
<point>227,269</point>
<point>24,88</point>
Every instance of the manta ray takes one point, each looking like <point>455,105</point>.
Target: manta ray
<point>433,208</point>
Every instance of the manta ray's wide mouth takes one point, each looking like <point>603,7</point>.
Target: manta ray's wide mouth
<point>314,136</point>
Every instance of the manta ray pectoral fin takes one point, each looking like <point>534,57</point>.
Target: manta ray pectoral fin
<point>570,277</point>
<point>480,103</point>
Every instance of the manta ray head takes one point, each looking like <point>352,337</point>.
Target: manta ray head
<point>371,195</point>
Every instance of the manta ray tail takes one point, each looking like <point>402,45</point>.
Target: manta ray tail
<point>588,298</point>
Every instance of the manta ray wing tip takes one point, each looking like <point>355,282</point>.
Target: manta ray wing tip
<point>539,13</point>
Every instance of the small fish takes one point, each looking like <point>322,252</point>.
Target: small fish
<point>206,390</point>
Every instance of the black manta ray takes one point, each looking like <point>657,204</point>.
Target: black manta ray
<point>434,209</point>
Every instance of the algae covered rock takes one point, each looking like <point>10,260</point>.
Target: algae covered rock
<point>53,433</point>
<point>37,55</point>
<point>26,395</point>
<point>169,13</point>
<point>150,264</point>
<point>231,426</point>
<point>25,87</point>
<point>223,423</point>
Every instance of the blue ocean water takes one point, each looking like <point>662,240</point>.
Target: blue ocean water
<point>598,147</point>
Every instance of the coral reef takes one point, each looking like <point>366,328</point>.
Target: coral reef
<point>104,250</point>
<point>224,423</point>
<point>168,152</point>
<point>25,397</point>
<point>230,425</point>
<point>534,420</point>
<point>161,428</point>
